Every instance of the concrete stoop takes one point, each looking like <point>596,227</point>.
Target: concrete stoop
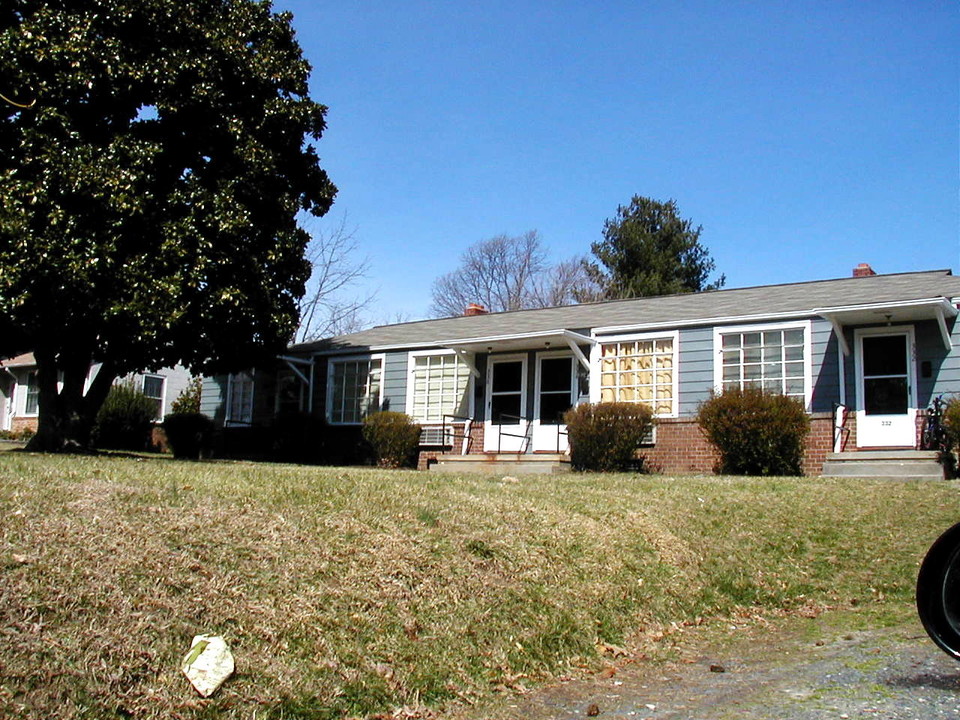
<point>503,463</point>
<point>884,464</point>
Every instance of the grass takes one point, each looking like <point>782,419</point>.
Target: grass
<point>351,592</point>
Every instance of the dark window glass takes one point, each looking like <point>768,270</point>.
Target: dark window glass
<point>885,355</point>
<point>552,408</point>
<point>555,374</point>
<point>885,396</point>
<point>505,409</point>
<point>507,376</point>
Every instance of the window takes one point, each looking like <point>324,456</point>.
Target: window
<point>438,386</point>
<point>640,370</point>
<point>240,399</point>
<point>153,389</point>
<point>32,401</point>
<point>353,388</point>
<point>772,358</point>
<point>291,392</point>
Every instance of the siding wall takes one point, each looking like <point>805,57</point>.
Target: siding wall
<point>394,395</point>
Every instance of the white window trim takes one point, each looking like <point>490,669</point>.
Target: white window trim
<point>229,420</point>
<point>22,403</point>
<point>891,330</point>
<point>328,404</point>
<point>163,391</point>
<point>411,368</point>
<point>806,325</point>
<point>596,355</point>
<point>537,376</point>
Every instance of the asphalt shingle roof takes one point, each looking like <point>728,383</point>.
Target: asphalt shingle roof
<point>797,298</point>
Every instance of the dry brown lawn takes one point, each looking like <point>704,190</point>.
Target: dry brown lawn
<point>353,592</point>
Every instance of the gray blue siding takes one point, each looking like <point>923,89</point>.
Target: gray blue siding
<point>695,371</point>
<point>394,396</point>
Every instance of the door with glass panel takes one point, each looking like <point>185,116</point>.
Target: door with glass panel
<point>506,426</point>
<point>555,394</point>
<point>886,405</point>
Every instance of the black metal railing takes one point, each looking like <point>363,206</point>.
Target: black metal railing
<point>524,439</point>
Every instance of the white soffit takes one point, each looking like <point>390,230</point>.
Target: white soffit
<point>556,339</point>
<point>890,313</point>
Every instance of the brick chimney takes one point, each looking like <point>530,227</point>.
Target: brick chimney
<point>863,270</point>
<point>475,309</point>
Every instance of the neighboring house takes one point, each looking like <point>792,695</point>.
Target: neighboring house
<point>865,355</point>
<point>19,392</point>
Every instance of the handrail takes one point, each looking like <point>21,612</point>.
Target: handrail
<point>501,433</point>
<point>839,426</point>
<point>467,438</point>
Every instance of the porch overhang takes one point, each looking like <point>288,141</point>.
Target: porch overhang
<point>514,342</point>
<point>938,309</point>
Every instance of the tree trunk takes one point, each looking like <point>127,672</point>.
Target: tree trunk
<point>66,415</point>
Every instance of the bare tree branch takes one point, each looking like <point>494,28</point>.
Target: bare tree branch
<point>330,307</point>
<point>510,273</point>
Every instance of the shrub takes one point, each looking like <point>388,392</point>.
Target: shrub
<point>125,419</point>
<point>299,437</point>
<point>755,432</point>
<point>394,437</point>
<point>605,436</point>
<point>188,401</point>
<point>190,435</point>
<point>951,424</point>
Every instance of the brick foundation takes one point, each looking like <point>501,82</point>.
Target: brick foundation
<point>682,448</point>
<point>19,424</point>
<point>430,455</point>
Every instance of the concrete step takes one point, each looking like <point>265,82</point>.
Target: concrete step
<point>878,464</point>
<point>503,463</point>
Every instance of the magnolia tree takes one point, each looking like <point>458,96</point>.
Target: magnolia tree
<point>155,157</point>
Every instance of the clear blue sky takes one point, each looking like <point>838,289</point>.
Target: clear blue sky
<point>805,137</point>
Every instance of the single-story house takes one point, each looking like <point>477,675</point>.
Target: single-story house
<point>19,392</point>
<point>864,354</point>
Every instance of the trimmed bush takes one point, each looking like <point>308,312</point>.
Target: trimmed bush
<point>190,435</point>
<point>394,437</point>
<point>299,437</point>
<point>125,419</point>
<point>605,436</point>
<point>951,424</point>
<point>755,433</point>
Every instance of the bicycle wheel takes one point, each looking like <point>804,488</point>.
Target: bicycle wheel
<point>938,592</point>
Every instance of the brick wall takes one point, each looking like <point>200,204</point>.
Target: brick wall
<point>428,455</point>
<point>18,424</point>
<point>682,449</point>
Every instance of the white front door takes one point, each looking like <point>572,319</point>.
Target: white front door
<point>886,388</point>
<point>506,425</point>
<point>556,383</point>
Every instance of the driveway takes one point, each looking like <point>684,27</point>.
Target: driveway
<point>891,674</point>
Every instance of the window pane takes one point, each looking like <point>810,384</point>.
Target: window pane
<point>507,376</point>
<point>505,409</point>
<point>885,396</point>
<point>643,372</point>
<point>552,408</point>
<point>885,355</point>
<point>32,406</point>
<point>793,337</point>
<point>556,374</point>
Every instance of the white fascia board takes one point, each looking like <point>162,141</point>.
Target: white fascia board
<point>705,321</point>
<point>948,307</point>
<point>540,334</point>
